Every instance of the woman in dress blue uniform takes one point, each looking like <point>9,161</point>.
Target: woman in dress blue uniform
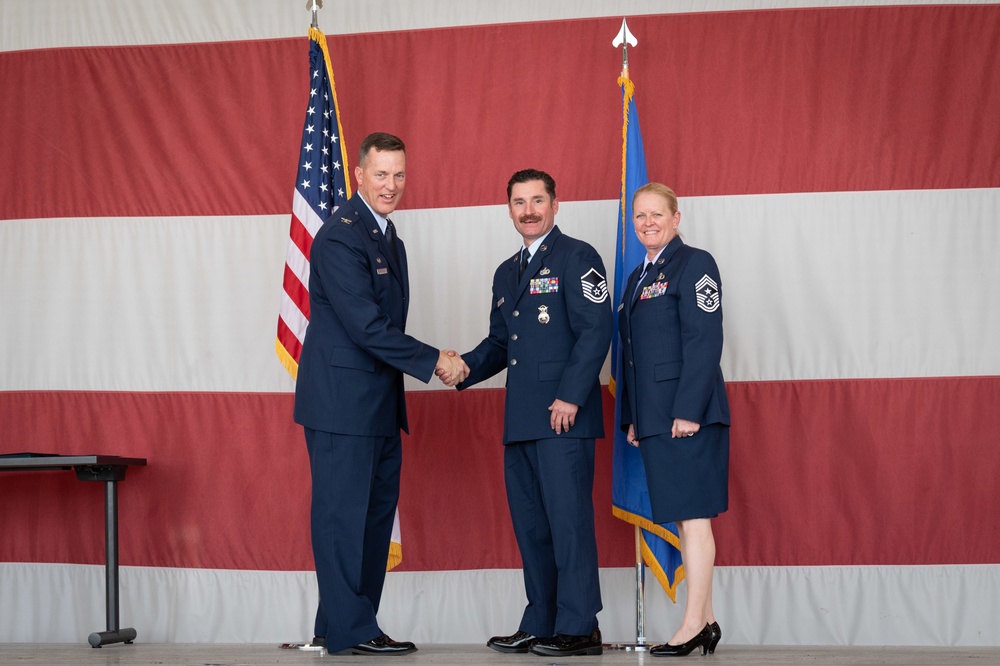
<point>674,405</point>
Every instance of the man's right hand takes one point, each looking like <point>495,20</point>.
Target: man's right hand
<point>451,369</point>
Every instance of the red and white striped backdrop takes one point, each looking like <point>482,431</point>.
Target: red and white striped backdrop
<point>840,162</point>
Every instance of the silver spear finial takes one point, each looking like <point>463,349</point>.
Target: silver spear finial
<point>314,6</point>
<point>624,39</point>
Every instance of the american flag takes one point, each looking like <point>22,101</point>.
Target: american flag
<point>321,187</point>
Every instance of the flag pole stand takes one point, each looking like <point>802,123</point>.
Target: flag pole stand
<point>640,610</point>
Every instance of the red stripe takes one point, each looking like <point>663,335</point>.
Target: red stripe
<point>299,234</point>
<point>839,99</point>
<point>823,473</point>
<point>296,291</point>
<point>289,341</point>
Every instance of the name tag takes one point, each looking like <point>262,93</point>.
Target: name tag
<point>500,302</point>
<point>653,290</point>
<point>544,285</point>
<point>382,271</point>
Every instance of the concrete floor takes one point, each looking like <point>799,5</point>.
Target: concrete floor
<point>163,654</point>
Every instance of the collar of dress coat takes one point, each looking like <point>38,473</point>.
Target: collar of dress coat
<point>537,244</point>
<point>382,224</point>
<point>647,262</point>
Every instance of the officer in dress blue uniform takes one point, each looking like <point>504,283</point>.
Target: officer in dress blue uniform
<point>349,398</point>
<point>674,405</point>
<point>550,327</point>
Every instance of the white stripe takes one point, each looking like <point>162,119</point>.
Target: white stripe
<point>293,317</point>
<point>956,605</point>
<point>814,286</point>
<point>70,23</point>
<point>305,213</point>
<point>297,262</point>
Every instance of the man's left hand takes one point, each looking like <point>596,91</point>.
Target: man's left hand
<point>563,415</point>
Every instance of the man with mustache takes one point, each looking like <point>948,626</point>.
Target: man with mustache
<point>550,328</point>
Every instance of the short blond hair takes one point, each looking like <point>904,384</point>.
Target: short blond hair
<point>662,190</point>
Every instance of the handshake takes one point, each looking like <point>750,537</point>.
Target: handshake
<point>451,369</point>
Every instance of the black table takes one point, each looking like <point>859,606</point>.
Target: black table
<point>110,470</point>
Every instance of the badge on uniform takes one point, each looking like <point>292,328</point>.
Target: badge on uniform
<point>595,287</point>
<point>653,291</point>
<point>544,285</point>
<point>382,271</point>
<point>543,314</point>
<point>706,292</point>
<point>500,302</point>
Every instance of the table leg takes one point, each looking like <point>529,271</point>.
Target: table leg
<point>114,634</point>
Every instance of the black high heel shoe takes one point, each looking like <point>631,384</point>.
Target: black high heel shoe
<point>716,637</point>
<point>702,640</point>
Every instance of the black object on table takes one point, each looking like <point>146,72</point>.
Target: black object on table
<point>110,470</point>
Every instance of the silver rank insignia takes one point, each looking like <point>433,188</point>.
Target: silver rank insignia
<point>543,314</point>
<point>595,287</point>
<point>706,292</point>
<point>346,220</point>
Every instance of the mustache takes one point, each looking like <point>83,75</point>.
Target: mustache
<point>529,218</point>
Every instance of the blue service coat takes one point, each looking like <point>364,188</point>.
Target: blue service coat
<point>671,335</point>
<point>551,330</point>
<point>349,397</point>
<point>350,378</point>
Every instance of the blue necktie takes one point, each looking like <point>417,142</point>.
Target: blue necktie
<point>641,276</point>
<point>390,238</point>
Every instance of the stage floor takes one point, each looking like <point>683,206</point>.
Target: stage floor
<point>167,654</point>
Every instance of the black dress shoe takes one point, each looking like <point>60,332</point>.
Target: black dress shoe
<point>569,646</point>
<point>716,637</point>
<point>519,642</point>
<point>319,640</point>
<point>384,646</point>
<point>703,639</point>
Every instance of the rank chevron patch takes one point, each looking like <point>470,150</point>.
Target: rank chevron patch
<point>595,287</point>
<point>707,293</point>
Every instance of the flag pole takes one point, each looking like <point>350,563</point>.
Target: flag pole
<point>624,39</point>
<point>314,6</point>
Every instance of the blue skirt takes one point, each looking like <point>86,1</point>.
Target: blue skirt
<point>688,477</point>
